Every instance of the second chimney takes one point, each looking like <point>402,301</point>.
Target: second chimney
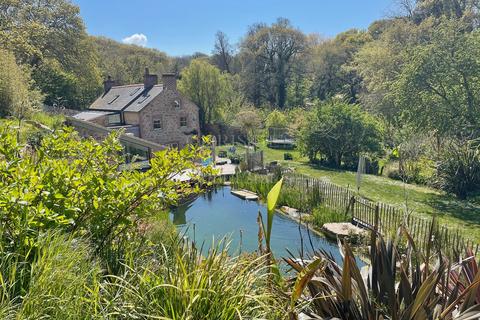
<point>169,81</point>
<point>149,80</point>
<point>108,84</point>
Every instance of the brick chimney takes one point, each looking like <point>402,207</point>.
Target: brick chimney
<point>108,84</point>
<point>169,81</point>
<point>149,80</point>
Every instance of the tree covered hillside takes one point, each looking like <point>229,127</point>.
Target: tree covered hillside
<point>55,56</point>
<point>126,63</point>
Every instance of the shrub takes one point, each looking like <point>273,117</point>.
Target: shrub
<point>420,171</point>
<point>339,132</point>
<point>276,119</point>
<point>287,156</point>
<point>398,286</point>
<point>458,171</point>
<point>75,185</point>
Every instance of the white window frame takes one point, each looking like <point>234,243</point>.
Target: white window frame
<point>186,121</point>
<point>161,124</point>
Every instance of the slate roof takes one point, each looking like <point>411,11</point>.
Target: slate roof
<point>144,99</point>
<point>90,115</point>
<point>127,98</point>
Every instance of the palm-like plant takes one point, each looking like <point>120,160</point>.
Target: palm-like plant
<point>397,285</point>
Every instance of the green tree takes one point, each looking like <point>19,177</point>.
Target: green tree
<point>331,61</point>
<point>205,85</point>
<point>339,132</point>
<point>74,185</point>
<point>420,10</point>
<point>249,120</point>
<point>379,62</point>
<point>17,97</point>
<point>39,31</point>
<point>126,63</point>
<point>269,54</point>
<point>276,119</point>
<point>438,88</point>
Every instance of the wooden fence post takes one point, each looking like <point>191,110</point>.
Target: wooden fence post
<point>351,205</point>
<point>377,217</point>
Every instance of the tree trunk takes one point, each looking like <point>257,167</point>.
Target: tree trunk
<point>282,92</point>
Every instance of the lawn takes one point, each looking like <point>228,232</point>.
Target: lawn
<point>423,201</point>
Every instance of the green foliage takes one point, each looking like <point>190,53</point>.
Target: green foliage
<point>438,85</point>
<point>205,85</point>
<point>49,37</point>
<point>322,214</point>
<point>249,120</point>
<point>269,53</point>
<point>126,63</point>
<point>458,171</point>
<point>339,132</point>
<point>331,66</point>
<point>290,196</point>
<point>17,97</point>
<point>74,185</point>
<point>61,282</point>
<point>276,119</point>
<point>379,62</point>
<point>170,279</point>
<point>179,283</point>
<point>50,120</point>
<point>399,286</point>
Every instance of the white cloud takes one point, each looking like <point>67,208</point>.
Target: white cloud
<point>138,39</point>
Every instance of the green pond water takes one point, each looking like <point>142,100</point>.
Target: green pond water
<point>219,214</point>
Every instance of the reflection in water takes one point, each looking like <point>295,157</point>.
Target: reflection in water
<point>219,214</point>
<point>180,216</point>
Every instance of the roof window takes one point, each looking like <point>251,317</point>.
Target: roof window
<point>143,99</point>
<point>134,91</point>
<point>113,100</point>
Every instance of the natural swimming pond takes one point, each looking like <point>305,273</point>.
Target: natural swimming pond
<point>218,213</point>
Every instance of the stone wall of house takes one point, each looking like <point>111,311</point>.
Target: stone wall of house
<point>102,121</point>
<point>164,108</point>
<point>87,131</point>
<point>131,117</point>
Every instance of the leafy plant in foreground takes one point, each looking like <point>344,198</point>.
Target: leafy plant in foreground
<point>75,185</point>
<point>397,286</point>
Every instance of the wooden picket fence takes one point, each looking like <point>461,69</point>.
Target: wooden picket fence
<point>384,218</point>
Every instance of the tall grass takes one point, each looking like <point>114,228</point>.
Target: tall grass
<point>50,120</point>
<point>190,286</point>
<point>60,283</point>
<point>165,281</point>
<point>322,214</point>
<point>290,196</point>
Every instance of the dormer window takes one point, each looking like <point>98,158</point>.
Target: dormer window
<point>176,104</point>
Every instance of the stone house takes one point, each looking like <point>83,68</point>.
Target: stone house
<point>154,112</point>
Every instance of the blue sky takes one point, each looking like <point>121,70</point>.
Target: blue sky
<point>187,26</point>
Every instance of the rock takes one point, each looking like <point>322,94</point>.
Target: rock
<point>291,211</point>
<point>342,229</point>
